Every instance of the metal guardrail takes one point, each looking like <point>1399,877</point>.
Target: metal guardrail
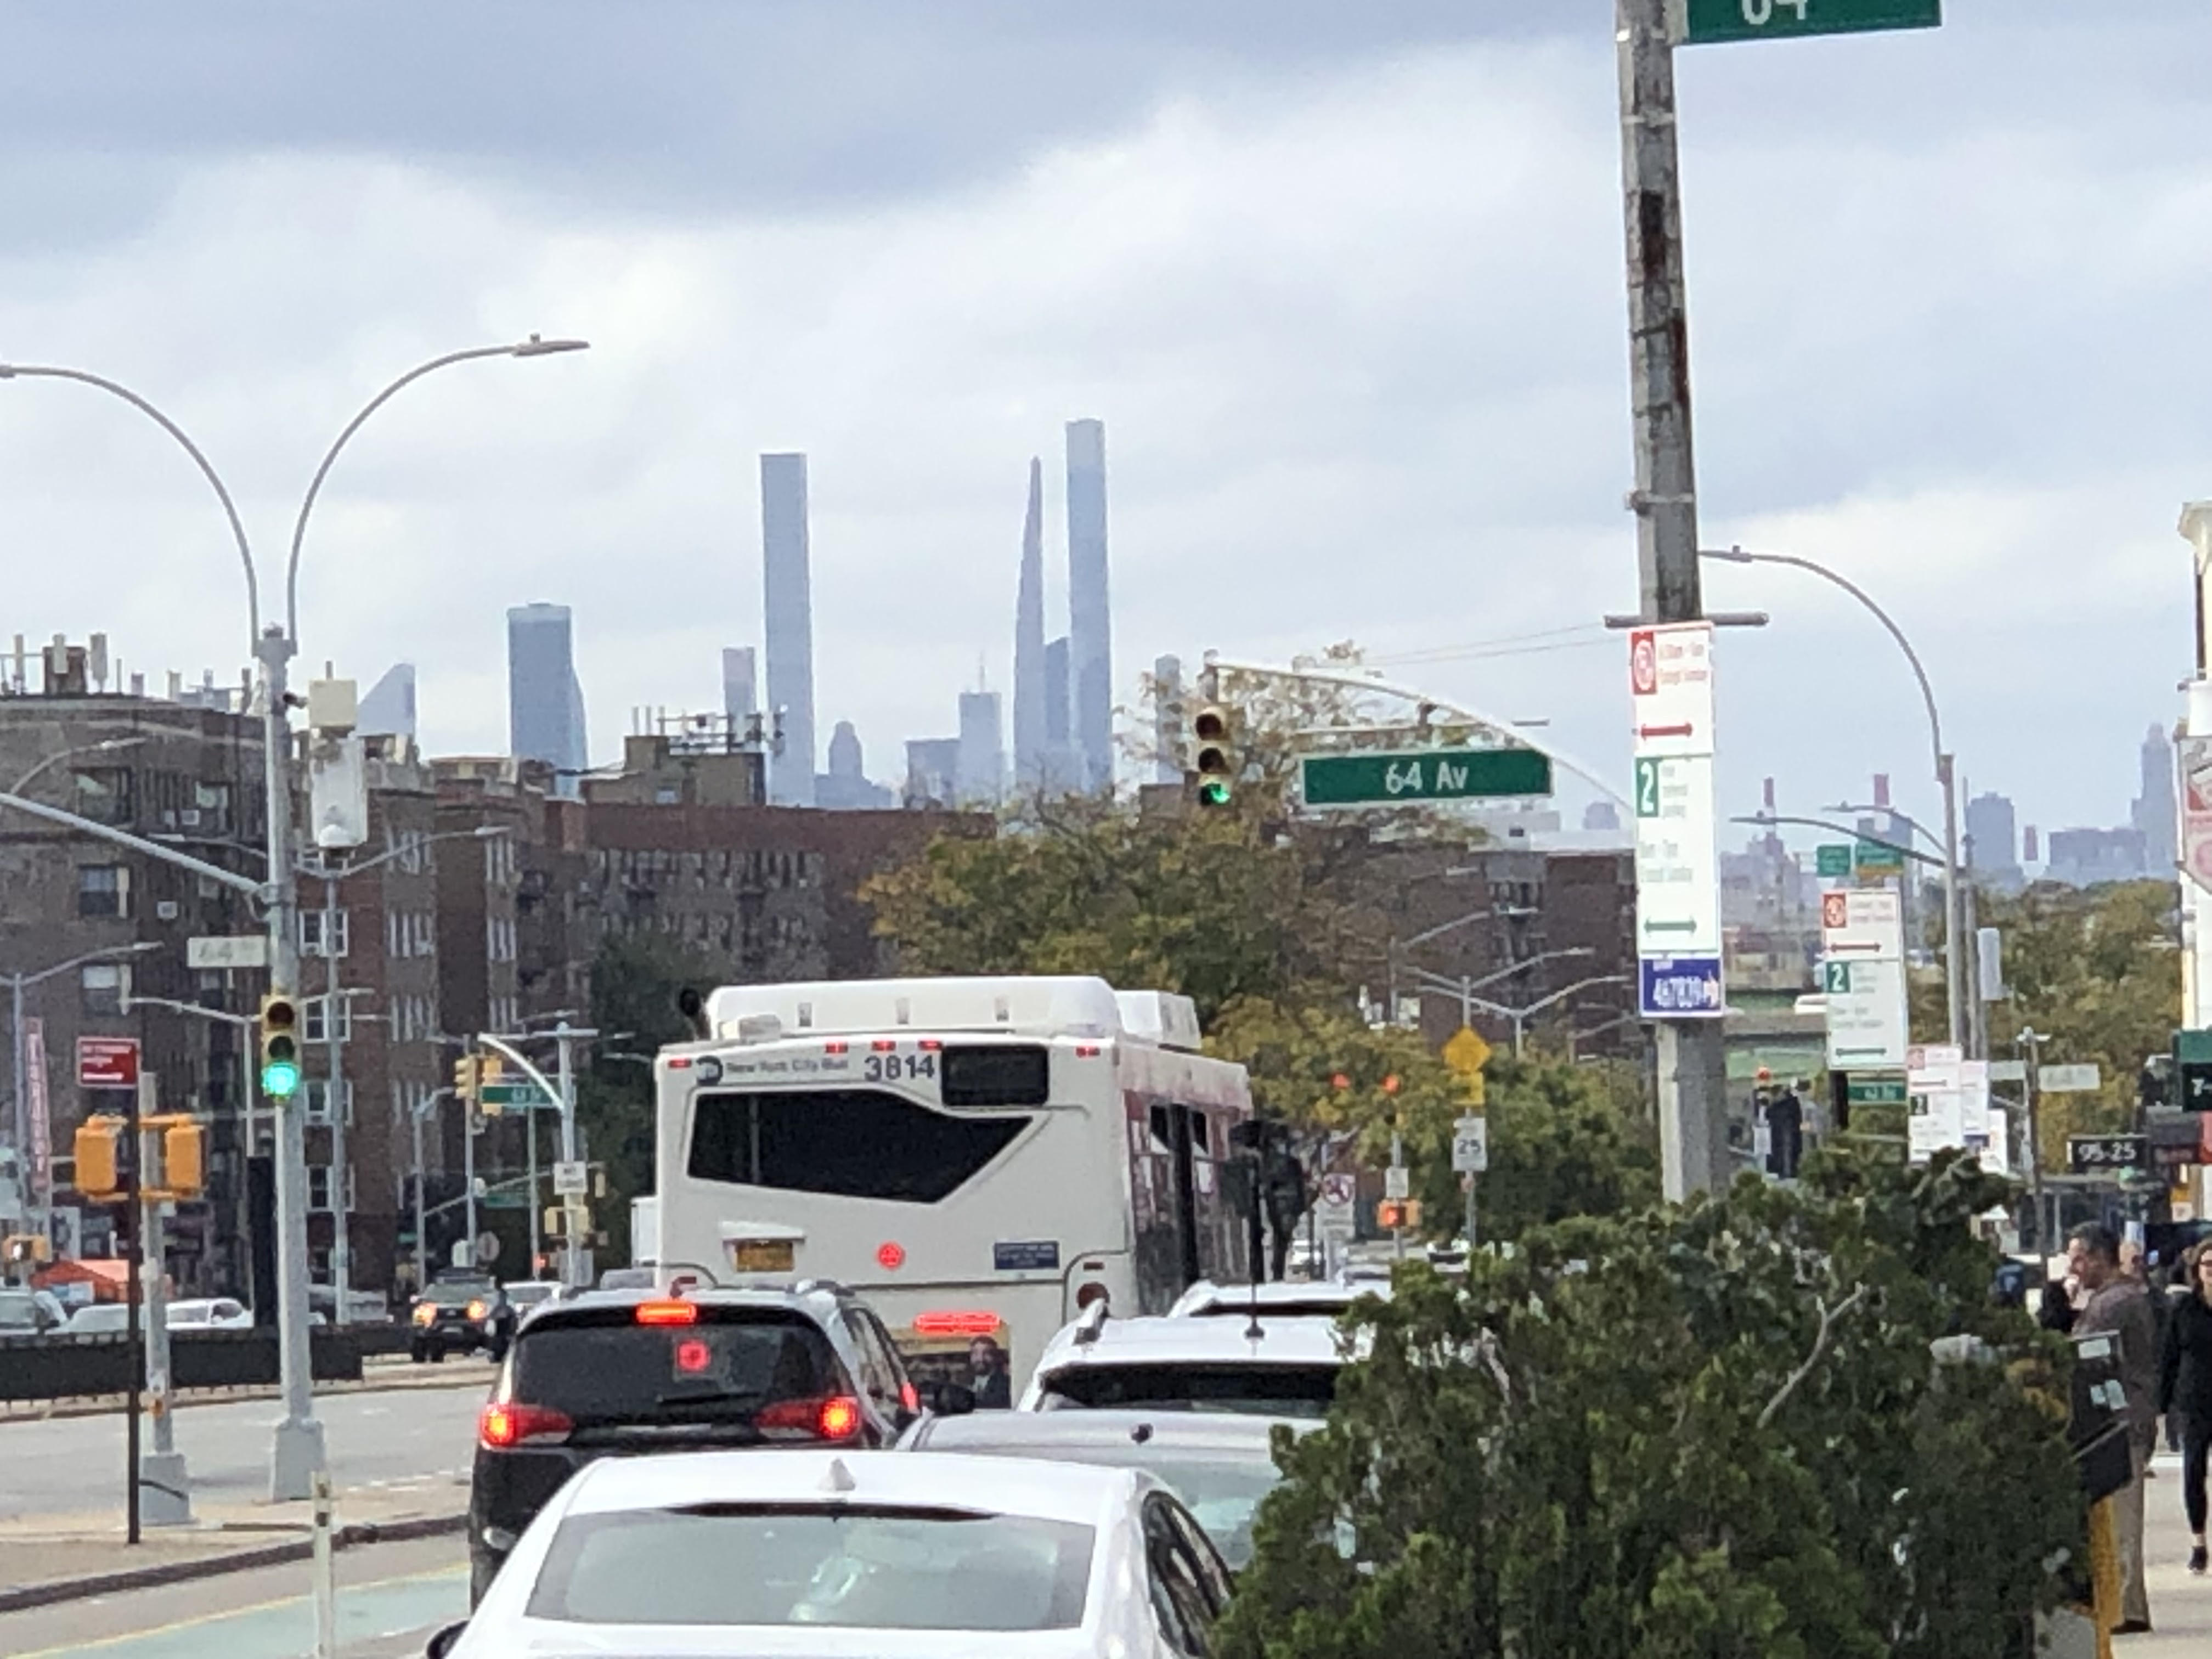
<point>62,1367</point>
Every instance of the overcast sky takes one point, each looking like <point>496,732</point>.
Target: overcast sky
<point>1344,281</point>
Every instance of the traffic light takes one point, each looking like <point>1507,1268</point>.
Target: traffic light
<point>183,1158</point>
<point>280,1046</point>
<point>99,1159</point>
<point>1214,755</point>
<point>1398,1214</point>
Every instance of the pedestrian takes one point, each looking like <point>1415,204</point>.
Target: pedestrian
<point>2119,1306</point>
<point>2185,1390</point>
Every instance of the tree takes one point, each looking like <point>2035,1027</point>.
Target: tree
<point>1715,1432</point>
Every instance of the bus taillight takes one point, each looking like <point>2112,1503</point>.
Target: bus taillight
<point>958,1321</point>
<point>835,1047</point>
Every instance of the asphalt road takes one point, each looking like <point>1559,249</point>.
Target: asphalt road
<point>75,1465</point>
<point>391,1598</point>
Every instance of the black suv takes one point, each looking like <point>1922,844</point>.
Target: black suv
<point>622,1373</point>
<point>459,1314</point>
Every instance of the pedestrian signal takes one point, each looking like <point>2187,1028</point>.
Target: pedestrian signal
<point>280,1046</point>
<point>1398,1214</point>
<point>183,1158</point>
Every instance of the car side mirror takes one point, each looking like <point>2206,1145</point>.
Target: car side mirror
<point>951,1399</point>
<point>446,1641</point>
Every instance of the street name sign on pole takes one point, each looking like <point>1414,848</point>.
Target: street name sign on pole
<point>1697,22</point>
<point>1426,775</point>
<point>2069,1080</point>
<point>209,952</point>
<point>1832,858</point>
<point>1875,858</point>
<point>1678,895</point>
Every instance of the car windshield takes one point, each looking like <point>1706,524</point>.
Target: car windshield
<point>856,1567</point>
<point>728,1366</point>
<point>1223,1492</point>
<point>1297,1391</point>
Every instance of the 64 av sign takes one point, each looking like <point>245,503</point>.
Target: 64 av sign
<point>1701,20</point>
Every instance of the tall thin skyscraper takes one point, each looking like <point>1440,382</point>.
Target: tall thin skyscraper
<point>388,710</point>
<point>1170,720</point>
<point>1030,739</point>
<point>544,702</point>
<point>790,617</point>
<point>740,683</point>
<point>1090,610</point>
<point>2157,812</point>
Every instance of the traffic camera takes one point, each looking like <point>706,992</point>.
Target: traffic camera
<point>280,1046</point>
<point>1214,755</point>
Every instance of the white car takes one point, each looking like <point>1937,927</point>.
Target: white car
<point>1279,1299</point>
<point>850,1555</point>
<point>1286,1367</point>
<point>214,1312</point>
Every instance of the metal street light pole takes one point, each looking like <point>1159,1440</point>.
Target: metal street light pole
<point>1954,927</point>
<point>1520,1016</point>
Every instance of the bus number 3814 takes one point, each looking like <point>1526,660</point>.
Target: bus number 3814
<point>890,1068</point>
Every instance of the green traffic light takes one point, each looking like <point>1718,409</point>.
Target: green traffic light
<point>280,1079</point>
<point>1213,791</point>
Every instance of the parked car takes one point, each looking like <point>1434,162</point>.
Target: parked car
<point>100,1319</point>
<point>217,1313</point>
<point>27,1312</point>
<point>1220,1467</point>
<point>460,1313</point>
<point>608,1373</point>
<point>1287,1369</point>
<point>853,1553</point>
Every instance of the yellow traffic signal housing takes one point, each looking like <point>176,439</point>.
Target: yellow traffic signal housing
<point>1398,1214</point>
<point>1213,753</point>
<point>29,1248</point>
<point>183,1157</point>
<point>280,1046</point>
<point>100,1158</point>
<point>488,1073</point>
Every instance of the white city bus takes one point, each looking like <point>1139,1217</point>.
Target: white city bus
<point>978,1157</point>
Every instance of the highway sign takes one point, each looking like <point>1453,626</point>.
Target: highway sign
<point>2093,1154</point>
<point>1862,924</point>
<point>1677,895</point>
<point>571,1180</point>
<point>1832,858</point>
<point>2069,1080</point>
<point>1397,1182</point>
<point>1697,22</point>
<point>1866,1012</point>
<point>1670,683</point>
<point>1427,774</point>
<point>210,952</point>
<point>1679,987</point>
<point>1876,858</point>
<point>1471,1145</point>
<point>106,1063</point>
<point>1874,1090</point>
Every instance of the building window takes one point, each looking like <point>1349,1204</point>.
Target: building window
<point>103,890</point>
<point>319,1189</point>
<point>105,795</point>
<point>313,1023</point>
<point>106,987</point>
<point>315,1099</point>
<point>212,802</point>
<point>311,932</point>
<point>424,929</point>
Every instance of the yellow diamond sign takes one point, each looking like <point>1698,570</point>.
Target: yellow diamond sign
<point>1466,1053</point>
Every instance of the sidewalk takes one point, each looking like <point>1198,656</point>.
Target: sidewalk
<point>385,1372</point>
<point>2180,1603</point>
<point>52,1558</point>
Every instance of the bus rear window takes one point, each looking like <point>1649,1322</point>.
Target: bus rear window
<point>846,1143</point>
<point>999,1075</point>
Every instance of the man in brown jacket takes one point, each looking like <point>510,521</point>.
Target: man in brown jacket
<point>2118,1305</point>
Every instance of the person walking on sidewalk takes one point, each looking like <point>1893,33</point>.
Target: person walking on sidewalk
<point>2119,1306</point>
<point>2185,1390</point>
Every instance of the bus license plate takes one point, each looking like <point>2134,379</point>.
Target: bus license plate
<point>761,1255</point>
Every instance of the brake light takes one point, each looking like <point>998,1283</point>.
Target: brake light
<point>502,1426</point>
<point>883,1045</point>
<point>1088,1051</point>
<point>837,1418</point>
<point>675,1312</point>
<point>835,1047</point>
<point>679,1063</point>
<point>693,1356</point>
<point>890,1257</point>
<point>478,1309</point>
<point>958,1322</point>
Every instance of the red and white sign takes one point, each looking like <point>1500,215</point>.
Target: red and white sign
<point>107,1062</point>
<point>1670,674</point>
<point>1862,923</point>
<point>42,1119</point>
<point>2193,756</point>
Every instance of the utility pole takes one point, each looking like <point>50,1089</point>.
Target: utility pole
<point>334,1096</point>
<point>572,1204</point>
<point>1691,1053</point>
<point>161,1471</point>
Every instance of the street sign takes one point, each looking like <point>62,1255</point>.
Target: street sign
<point>516,1199</point>
<point>1832,858</point>
<point>1394,779</point>
<point>1874,1090</point>
<point>239,951</point>
<point>2069,1080</point>
<point>1866,1012</point>
<point>1698,22</point>
<point>522,1092</point>
<point>2007,1071</point>
<point>1679,987</point>
<point>1934,1085</point>
<point>571,1180</point>
<point>1397,1182</point>
<point>1678,900</point>
<point>1874,858</point>
<point>2094,1154</point>
<point>1470,1145</point>
<point>1862,924</point>
<point>1465,1052</point>
<point>1670,683</point>
<point>105,1062</point>
<point>1338,1210</point>
<point>1974,1102</point>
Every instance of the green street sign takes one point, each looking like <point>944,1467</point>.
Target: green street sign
<point>1700,22</point>
<point>1874,858</point>
<point>1834,859</point>
<point>1429,774</point>
<point>517,1200</point>
<point>523,1094</point>
<point>1874,1090</point>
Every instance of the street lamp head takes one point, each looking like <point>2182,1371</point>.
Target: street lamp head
<point>1732,555</point>
<point>491,831</point>
<point>536,346</point>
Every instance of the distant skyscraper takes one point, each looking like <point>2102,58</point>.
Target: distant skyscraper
<point>790,617</point>
<point>1169,720</point>
<point>388,710</point>
<point>933,768</point>
<point>740,683</point>
<point>1063,764</point>
<point>979,778</point>
<point>2155,813</point>
<point>1030,739</point>
<point>544,702</point>
<point>1090,610</point>
<point>845,786</point>
<point>1992,848</point>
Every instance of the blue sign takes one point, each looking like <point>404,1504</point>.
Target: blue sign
<point>1026,1256</point>
<point>1680,987</point>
